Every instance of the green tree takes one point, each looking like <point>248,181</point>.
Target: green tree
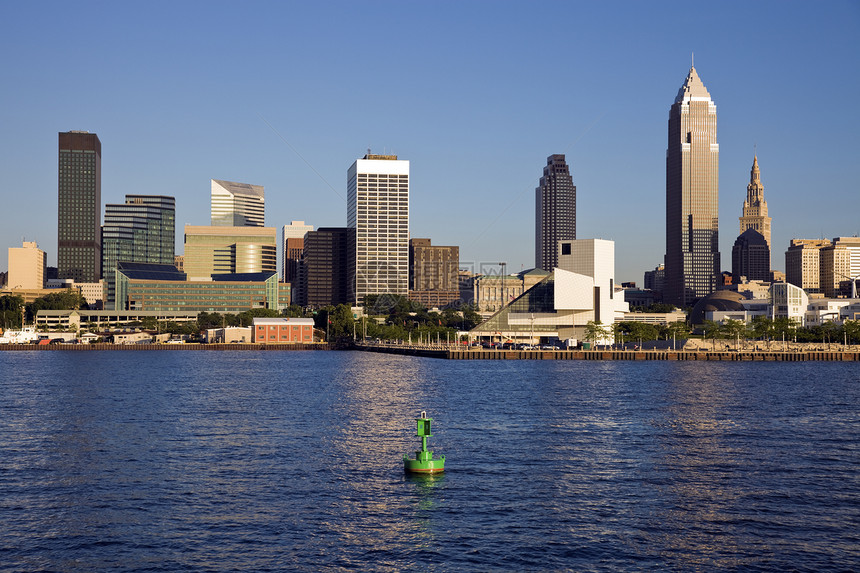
<point>342,323</point>
<point>784,327</point>
<point>762,327</point>
<point>10,311</point>
<point>64,300</point>
<point>209,320</point>
<point>656,307</point>
<point>735,329</point>
<point>851,328</point>
<point>595,331</point>
<point>295,311</point>
<point>247,318</point>
<point>712,330</point>
<point>676,330</point>
<point>643,331</point>
<point>618,332</point>
<point>471,318</point>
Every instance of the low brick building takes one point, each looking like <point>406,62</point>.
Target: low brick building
<point>283,330</point>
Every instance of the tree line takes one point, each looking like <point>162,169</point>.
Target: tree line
<point>11,306</point>
<point>759,328</point>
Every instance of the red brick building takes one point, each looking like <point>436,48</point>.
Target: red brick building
<point>283,330</point>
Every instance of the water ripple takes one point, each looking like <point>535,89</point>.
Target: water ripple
<point>241,461</point>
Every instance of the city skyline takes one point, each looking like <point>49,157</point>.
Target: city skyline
<point>463,111</point>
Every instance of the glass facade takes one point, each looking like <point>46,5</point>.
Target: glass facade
<point>555,211</point>
<point>79,207</point>
<point>538,300</point>
<point>157,288</point>
<point>142,230</point>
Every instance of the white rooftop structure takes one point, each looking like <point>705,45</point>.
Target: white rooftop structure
<point>237,204</point>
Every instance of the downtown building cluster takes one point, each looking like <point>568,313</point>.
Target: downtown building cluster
<point>128,263</point>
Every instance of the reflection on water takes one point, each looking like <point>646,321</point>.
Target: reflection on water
<point>293,461</point>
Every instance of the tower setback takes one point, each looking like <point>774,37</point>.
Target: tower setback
<point>692,191</point>
<point>555,211</point>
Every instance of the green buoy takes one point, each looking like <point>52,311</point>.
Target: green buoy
<point>423,462</point>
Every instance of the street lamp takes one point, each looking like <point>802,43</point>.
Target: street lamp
<point>532,336</point>
<point>502,293</point>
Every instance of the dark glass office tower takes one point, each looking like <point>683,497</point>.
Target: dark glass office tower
<point>79,207</point>
<point>692,183</point>
<point>555,211</point>
<point>750,257</point>
<point>323,271</point>
<point>141,230</point>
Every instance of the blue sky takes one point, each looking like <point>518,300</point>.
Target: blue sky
<point>475,94</point>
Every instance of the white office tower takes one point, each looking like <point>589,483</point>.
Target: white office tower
<point>585,281</point>
<point>378,211</point>
<point>237,204</point>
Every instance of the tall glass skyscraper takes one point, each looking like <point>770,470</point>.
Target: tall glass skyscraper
<point>141,230</point>
<point>378,210</point>
<point>79,206</point>
<point>555,211</point>
<point>692,184</point>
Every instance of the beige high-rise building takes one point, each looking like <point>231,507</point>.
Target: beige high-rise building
<point>692,193</point>
<point>802,263</point>
<point>755,207</point>
<point>840,263</point>
<point>27,265</point>
<point>223,250</point>
<point>433,273</point>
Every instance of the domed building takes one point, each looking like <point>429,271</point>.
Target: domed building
<point>719,300</point>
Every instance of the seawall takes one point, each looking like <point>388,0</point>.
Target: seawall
<point>743,356</point>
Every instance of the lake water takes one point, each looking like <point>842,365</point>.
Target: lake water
<point>292,461</point>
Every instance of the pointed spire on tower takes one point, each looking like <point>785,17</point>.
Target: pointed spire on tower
<point>693,88</point>
<point>755,173</point>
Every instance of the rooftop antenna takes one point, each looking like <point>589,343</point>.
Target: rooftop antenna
<point>692,59</point>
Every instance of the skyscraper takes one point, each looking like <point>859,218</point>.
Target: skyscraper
<point>692,184</point>
<point>324,267</point>
<point>555,211</point>
<point>378,210</point>
<point>237,204</point>
<point>141,230</point>
<point>79,206</point>
<point>754,215</point>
